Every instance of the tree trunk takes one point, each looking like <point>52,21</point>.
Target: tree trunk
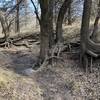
<point>85,27</point>
<point>87,45</point>
<point>69,15</point>
<point>5,28</point>
<point>63,9</point>
<point>17,27</point>
<point>96,23</point>
<point>85,20</point>
<point>46,27</point>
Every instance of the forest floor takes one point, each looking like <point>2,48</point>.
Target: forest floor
<point>59,81</point>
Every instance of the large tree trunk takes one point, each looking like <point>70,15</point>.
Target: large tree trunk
<point>85,21</point>
<point>46,27</point>
<point>85,29</point>
<point>63,10</point>
<point>88,45</point>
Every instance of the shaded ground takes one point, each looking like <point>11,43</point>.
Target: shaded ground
<point>50,82</point>
<point>60,81</point>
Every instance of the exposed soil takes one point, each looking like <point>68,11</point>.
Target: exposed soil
<point>60,81</point>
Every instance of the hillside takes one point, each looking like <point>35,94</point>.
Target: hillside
<point>63,80</point>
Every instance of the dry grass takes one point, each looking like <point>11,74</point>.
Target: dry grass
<point>51,82</point>
<point>72,33</point>
<point>16,87</point>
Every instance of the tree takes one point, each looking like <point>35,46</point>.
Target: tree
<point>46,27</point>
<point>96,23</point>
<point>62,12</point>
<point>85,30</point>
<point>69,14</point>
<point>5,27</point>
<point>17,27</point>
<point>5,18</point>
<point>88,46</point>
<point>46,24</point>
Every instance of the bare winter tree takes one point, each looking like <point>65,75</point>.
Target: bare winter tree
<point>88,46</point>
<point>46,27</point>
<point>85,30</point>
<point>46,24</point>
<point>5,27</point>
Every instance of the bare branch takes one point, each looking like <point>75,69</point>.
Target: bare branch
<point>36,12</point>
<point>14,7</point>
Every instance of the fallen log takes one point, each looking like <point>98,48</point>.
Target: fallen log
<point>18,37</point>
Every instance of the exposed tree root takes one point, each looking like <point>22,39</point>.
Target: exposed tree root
<point>14,39</point>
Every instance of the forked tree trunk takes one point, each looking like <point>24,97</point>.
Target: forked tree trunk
<point>46,25</point>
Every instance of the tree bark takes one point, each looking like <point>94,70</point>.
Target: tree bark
<point>88,45</point>
<point>85,21</point>
<point>85,27</point>
<point>46,27</point>
<point>69,15</point>
<point>17,27</point>
<point>63,10</point>
<point>96,23</point>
